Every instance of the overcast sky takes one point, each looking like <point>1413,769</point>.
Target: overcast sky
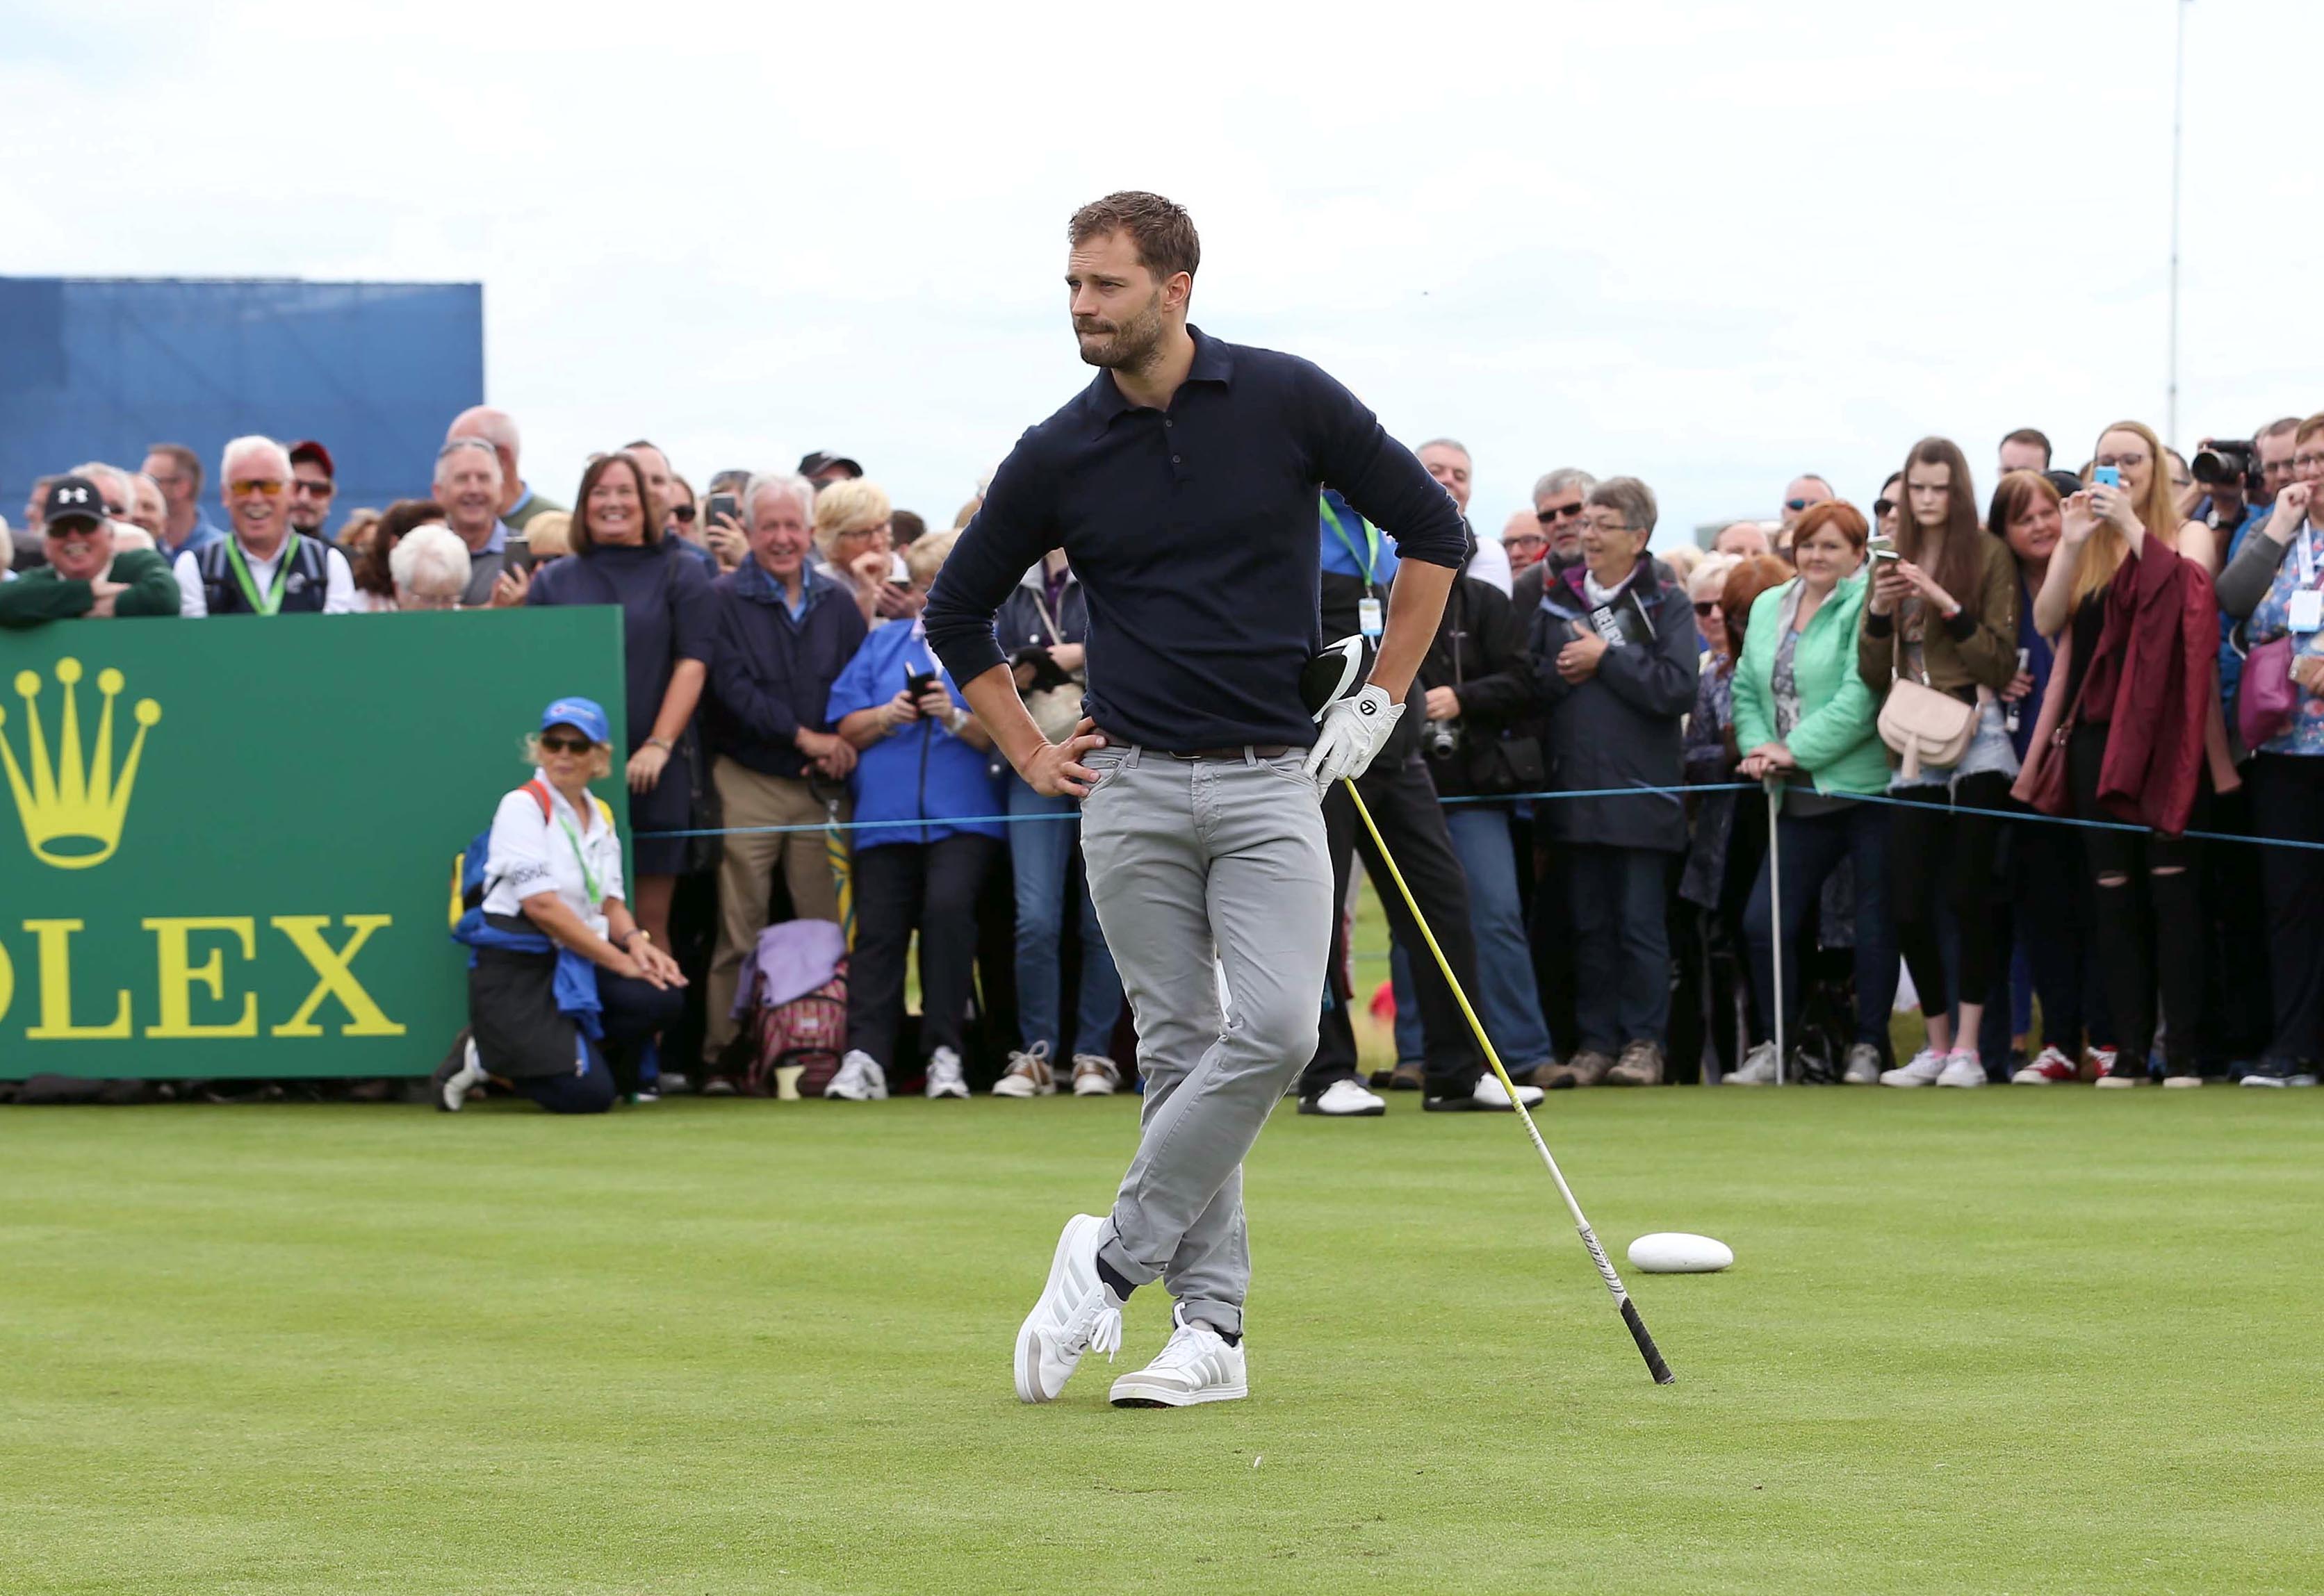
<point>1706,244</point>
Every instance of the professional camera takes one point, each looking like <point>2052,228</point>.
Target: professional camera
<point>1441,740</point>
<point>2229,460</point>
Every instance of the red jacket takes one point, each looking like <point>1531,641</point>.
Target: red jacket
<point>2156,674</point>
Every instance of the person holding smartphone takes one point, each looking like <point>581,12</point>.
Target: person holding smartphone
<point>1942,611</point>
<point>924,760</point>
<point>2136,698</point>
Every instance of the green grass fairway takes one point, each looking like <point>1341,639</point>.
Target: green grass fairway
<point>2010,1340</point>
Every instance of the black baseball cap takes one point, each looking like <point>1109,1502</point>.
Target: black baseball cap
<point>823,460</point>
<point>72,498</point>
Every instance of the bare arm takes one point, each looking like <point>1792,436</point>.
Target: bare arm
<point>1415,605</point>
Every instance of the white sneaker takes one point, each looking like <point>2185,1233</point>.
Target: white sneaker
<point>1863,1065</point>
<point>2182,1080</point>
<point>1077,1312</point>
<point>452,1089</point>
<point>1757,1069</point>
<point>1029,1074</point>
<point>944,1077</point>
<point>1095,1076</point>
<point>859,1079</point>
<point>1347,1099</point>
<point>1962,1068</point>
<point>1926,1065</point>
<point>1197,1366</point>
<point>1487,1096</point>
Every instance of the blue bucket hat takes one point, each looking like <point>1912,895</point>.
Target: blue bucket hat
<point>582,715</point>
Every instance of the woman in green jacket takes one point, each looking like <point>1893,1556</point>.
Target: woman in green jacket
<point>1804,713</point>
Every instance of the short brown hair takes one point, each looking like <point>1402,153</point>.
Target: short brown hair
<point>1751,577</point>
<point>1832,512</point>
<point>182,457</point>
<point>650,530</point>
<point>2308,428</point>
<point>395,523</point>
<point>1161,229</point>
<point>2034,437</point>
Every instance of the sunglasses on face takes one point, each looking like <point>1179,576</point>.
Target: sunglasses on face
<point>682,513</point>
<point>321,490</point>
<point>1881,507</point>
<point>1796,505</point>
<point>553,743</point>
<point>1706,607</point>
<point>1556,513</point>
<point>265,488</point>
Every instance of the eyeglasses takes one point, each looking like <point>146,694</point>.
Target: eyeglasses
<point>265,488</point>
<point>1557,512</point>
<point>1605,526</point>
<point>1881,507</point>
<point>683,512</point>
<point>1524,540</point>
<point>320,490</point>
<point>2307,462</point>
<point>555,744</point>
<point>2121,462</point>
<point>1706,607</point>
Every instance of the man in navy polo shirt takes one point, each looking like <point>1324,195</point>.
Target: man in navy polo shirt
<point>1182,483</point>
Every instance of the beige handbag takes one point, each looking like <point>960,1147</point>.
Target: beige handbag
<point>1055,710</point>
<point>1920,725</point>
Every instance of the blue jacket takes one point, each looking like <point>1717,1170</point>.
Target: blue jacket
<point>771,674</point>
<point>922,773</point>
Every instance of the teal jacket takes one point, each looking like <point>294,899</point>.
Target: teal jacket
<point>1836,741</point>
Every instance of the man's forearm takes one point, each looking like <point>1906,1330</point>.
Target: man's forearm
<point>993,698</point>
<point>1414,606</point>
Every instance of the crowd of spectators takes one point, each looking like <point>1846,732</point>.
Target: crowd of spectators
<point>1929,689</point>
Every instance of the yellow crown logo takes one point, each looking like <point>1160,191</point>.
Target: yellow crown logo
<point>72,809</point>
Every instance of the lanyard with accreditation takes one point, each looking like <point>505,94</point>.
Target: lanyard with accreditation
<point>1372,619</point>
<point>269,602</point>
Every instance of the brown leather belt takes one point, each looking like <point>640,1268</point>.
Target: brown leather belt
<point>1266,750</point>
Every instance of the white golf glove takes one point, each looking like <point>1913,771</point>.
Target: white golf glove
<point>1354,729</point>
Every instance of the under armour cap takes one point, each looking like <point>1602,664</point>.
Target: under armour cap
<point>582,715</point>
<point>72,498</point>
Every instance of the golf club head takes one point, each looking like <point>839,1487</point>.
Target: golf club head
<point>1335,673</point>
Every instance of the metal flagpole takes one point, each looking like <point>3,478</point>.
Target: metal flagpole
<point>1775,913</point>
<point>2177,103</point>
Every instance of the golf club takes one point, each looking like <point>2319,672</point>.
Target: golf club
<point>1629,1310</point>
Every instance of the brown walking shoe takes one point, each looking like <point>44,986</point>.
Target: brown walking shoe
<point>1641,1066</point>
<point>1585,1068</point>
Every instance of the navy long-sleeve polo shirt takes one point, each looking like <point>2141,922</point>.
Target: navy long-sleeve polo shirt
<point>1193,533</point>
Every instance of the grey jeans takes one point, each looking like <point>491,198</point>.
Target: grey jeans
<point>1189,860</point>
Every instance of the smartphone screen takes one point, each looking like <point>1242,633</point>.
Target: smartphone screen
<point>2108,475</point>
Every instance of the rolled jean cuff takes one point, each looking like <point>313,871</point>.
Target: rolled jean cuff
<point>1219,1316</point>
<point>1117,1257</point>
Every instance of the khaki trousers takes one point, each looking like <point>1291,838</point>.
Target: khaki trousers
<point>746,877</point>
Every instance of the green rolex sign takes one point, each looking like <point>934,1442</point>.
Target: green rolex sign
<point>230,847</point>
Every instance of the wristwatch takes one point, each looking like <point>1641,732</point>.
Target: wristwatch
<point>664,743</point>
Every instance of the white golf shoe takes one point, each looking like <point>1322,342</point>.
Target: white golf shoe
<point>1077,1312</point>
<point>458,1075</point>
<point>859,1080</point>
<point>1197,1366</point>
<point>1962,1068</point>
<point>945,1076</point>
<point>1487,1096</point>
<point>1757,1069</point>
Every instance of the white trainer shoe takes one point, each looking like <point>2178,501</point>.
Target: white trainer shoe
<point>1029,1074</point>
<point>1077,1312</point>
<point>945,1076</point>
<point>1924,1069</point>
<point>1757,1069</point>
<point>1962,1068</point>
<point>1346,1099</point>
<point>859,1079</point>
<point>1197,1366</point>
<point>1487,1096</point>
<point>1863,1065</point>
<point>1095,1076</point>
<point>453,1085</point>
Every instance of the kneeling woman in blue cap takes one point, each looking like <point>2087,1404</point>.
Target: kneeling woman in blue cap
<point>564,990</point>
